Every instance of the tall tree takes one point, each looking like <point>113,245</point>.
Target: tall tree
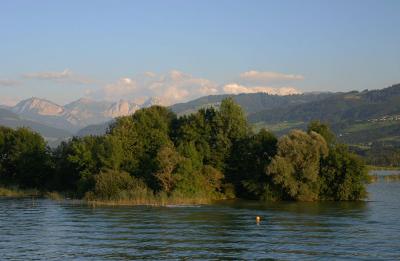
<point>343,174</point>
<point>295,168</point>
<point>24,159</point>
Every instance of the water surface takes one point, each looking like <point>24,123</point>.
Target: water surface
<point>47,230</point>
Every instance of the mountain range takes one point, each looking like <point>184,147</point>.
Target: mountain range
<point>57,122</point>
<point>362,118</point>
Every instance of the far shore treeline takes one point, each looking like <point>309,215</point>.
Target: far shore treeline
<point>154,156</point>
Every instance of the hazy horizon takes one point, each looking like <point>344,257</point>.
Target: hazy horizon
<point>182,50</point>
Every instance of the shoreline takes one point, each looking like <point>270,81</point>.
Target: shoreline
<point>12,192</point>
<point>155,201</point>
<point>372,168</point>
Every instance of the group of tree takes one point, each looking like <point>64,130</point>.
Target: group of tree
<point>210,154</point>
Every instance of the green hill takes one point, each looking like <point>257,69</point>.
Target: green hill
<point>250,102</point>
<point>369,121</point>
<point>340,107</point>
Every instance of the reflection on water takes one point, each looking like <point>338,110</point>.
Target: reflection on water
<point>45,229</point>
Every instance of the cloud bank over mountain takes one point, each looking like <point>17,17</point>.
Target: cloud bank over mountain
<point>235,88</point>
<point>168,88</point>
<point>176,86</point>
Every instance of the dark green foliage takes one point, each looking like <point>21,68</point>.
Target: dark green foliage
<point>114,185</point>
<point>249,161</point>
<point>295,168</point>
<point>24,159</point>
<point>343,175</point>
<point>323,130</point>
<point>84,161</point>
<point>80,159</point>
<point>211,154</point>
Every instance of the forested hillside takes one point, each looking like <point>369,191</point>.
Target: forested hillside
<point>337,108</point>
<point>250,102</point>
<point>368,121</point>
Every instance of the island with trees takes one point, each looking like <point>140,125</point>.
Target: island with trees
<point>156,157</point>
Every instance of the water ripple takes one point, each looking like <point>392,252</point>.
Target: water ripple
<point>48,230</point>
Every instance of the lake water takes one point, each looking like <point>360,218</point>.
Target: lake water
<point>46,230</point>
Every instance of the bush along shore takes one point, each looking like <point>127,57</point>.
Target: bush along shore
<point>154,157</point>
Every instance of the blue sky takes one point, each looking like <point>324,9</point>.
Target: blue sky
<point>63,50</point>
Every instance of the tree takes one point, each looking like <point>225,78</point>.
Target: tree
<point>167,160</point>
<point>124,130</point>
<point>196,129</point>
<point>233,120</point>
<point>153,127</point>
<point>343,174</point>
<point>115,185</point>
<point>323,130</point>
<point>250,160</point>
<point>295,167</point>
<point>229,126</point>
<point>83,158</point>
<point>208,155</point>
<point>24,159</point>
<point>110,153</point>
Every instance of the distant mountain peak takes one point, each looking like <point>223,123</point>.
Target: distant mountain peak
<point>85,100</point>
<point>152,101</point>
<point>40,106</point>
<point>121,108</point>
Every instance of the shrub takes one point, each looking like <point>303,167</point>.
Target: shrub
<point>114,185</point>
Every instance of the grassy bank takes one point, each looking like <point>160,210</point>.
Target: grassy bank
<point>386,178</point>
<point>15,192</point>
<point>18,193</point>
<point>152,202</point>
<point>148,199</point>
<point>372,167</point>
<point>132,198</point>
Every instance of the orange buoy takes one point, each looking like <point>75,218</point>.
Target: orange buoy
<point>258,219</point>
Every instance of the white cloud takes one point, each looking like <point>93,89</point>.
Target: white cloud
<point>150,74</point>
<point>8,83</point>
<point>122,88</point>
<point>235,88</point>
<point>49,75</point>
<point>263,81</point>
<point>170,88</point>
<point>64,76</point>
<point>267,77</point>
<point>176,86</point>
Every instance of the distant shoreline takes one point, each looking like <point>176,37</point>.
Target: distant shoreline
<point>372,168</point>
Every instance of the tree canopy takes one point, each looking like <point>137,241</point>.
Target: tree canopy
<point>211,154</point>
